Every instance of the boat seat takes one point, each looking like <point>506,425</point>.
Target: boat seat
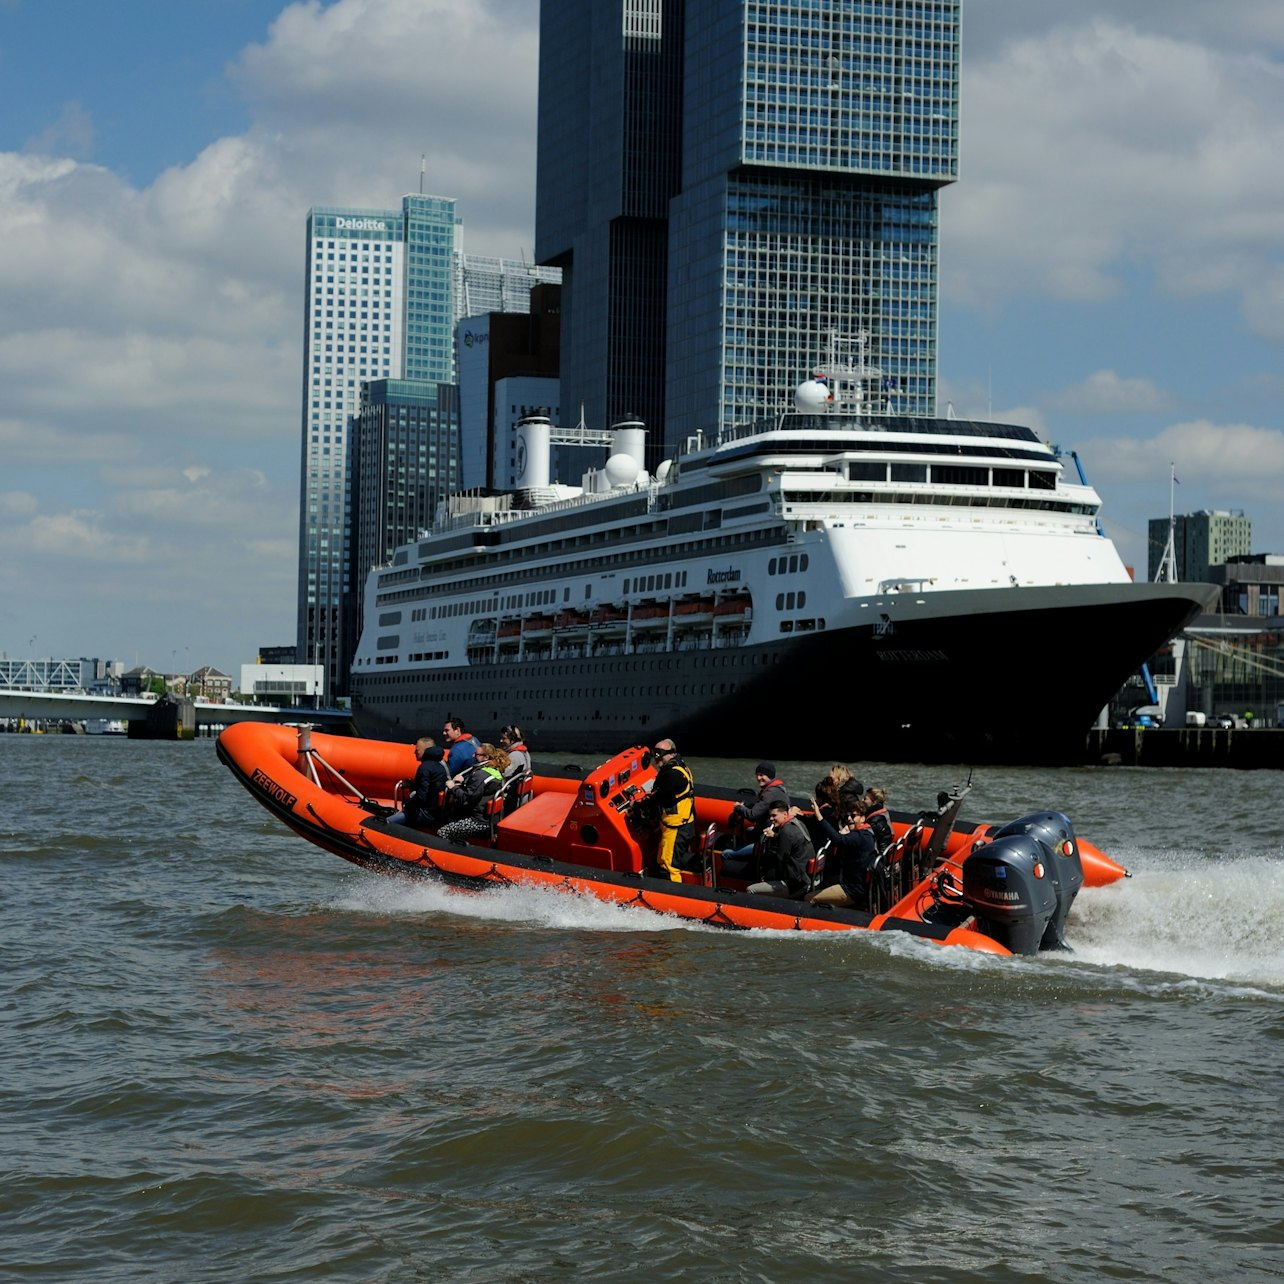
<point>510,795</point>
<point>535,826</point>
<point>816,866</point>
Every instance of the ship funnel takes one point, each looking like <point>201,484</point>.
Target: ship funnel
<point>534,451</point>
<point>628,437</point>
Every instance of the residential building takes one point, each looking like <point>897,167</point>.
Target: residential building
<point>211,683</point>
<point>734,184</point>
<point>1201,541</point>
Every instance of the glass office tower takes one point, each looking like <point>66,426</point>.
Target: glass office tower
<point>776,165</point>
<point>378,305</point>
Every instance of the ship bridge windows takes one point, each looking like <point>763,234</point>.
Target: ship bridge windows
<point>867,470</point>
<point>909,472</point>
<point>791,565</point>
<point>960,475</point>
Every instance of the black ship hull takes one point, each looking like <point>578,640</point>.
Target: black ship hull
<point>1017,676</point>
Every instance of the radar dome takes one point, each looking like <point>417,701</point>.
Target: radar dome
<point>621,470</point>
<point>810,396</point>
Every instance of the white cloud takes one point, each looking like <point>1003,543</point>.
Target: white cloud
<point>78,538</point>
<point>1095,146</point>
<point>1224,463</point>
<point>17,503</point>
<point>150,338</point>
<point>1106,393</point>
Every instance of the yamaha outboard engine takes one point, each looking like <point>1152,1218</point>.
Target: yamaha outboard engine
<point>1007,887</point>
<point>1055,835</point>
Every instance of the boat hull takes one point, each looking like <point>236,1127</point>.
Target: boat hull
<point>1014,675</point>
<point>568,834</point>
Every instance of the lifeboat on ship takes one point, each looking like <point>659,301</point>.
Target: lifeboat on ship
<point>537,627</point>
<point>1000,889</point>
<point>609,617</point>
<point>731,610</point>
<point>651,615</point>
<point>693,611</point>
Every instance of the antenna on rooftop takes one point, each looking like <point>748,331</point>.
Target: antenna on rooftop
<point>423,164</point>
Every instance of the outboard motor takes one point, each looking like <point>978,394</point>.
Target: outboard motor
<point>1055,835</point>
<point>1007,885</point>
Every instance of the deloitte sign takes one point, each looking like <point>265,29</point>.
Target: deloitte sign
<point>360,225</point>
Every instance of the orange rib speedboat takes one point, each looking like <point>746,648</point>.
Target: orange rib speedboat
<point>1005,890</point>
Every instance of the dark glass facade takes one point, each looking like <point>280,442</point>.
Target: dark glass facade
<point>767,173</point>
<point>405,461</point>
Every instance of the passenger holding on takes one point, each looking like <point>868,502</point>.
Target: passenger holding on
<point>786,854</point>
<point>674,793</point>
<point>420,808</point>
<point>461,747</point>
<point>771,789</point>
<point>835,797</point>
<point>472,795</point>
<point>513,743</point>
<point>853,854</point>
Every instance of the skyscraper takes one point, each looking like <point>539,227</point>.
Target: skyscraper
<point>384,291</point>
<point>734,183</point>
<point>379,305</point>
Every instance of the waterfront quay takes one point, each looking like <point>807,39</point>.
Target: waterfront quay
<point>149,718</point>
<point>1256,749</point>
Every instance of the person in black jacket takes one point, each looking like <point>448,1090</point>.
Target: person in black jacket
<point>786,855</point>
<point>471,796</point>
<point>756,815</point>
<point>877,819</point>
<point>422,806</point>
<point>851,860</point>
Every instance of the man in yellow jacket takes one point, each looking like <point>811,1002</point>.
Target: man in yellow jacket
<point>674,792</point>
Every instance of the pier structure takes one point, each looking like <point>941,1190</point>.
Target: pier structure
<point>163,718</point>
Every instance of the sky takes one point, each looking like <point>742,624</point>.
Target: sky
<point>1112,270</point>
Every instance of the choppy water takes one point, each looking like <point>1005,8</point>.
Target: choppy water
<point>227,1055</point>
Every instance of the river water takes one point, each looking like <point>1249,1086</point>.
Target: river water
<point>227,1055</point>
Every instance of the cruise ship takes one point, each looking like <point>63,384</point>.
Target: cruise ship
<point>836,580</point>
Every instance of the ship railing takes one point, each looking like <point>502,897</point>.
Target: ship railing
<point>503,516</point>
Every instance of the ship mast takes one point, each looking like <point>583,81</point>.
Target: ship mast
<point>1168,562</point>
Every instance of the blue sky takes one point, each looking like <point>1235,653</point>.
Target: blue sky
<point>1112,269</point>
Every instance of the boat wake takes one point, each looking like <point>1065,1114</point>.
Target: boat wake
<point>1217,920</point>
<point>532,906</point>
<point>1214,922</point>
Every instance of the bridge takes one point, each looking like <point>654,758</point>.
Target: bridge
<point>161,719</point>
